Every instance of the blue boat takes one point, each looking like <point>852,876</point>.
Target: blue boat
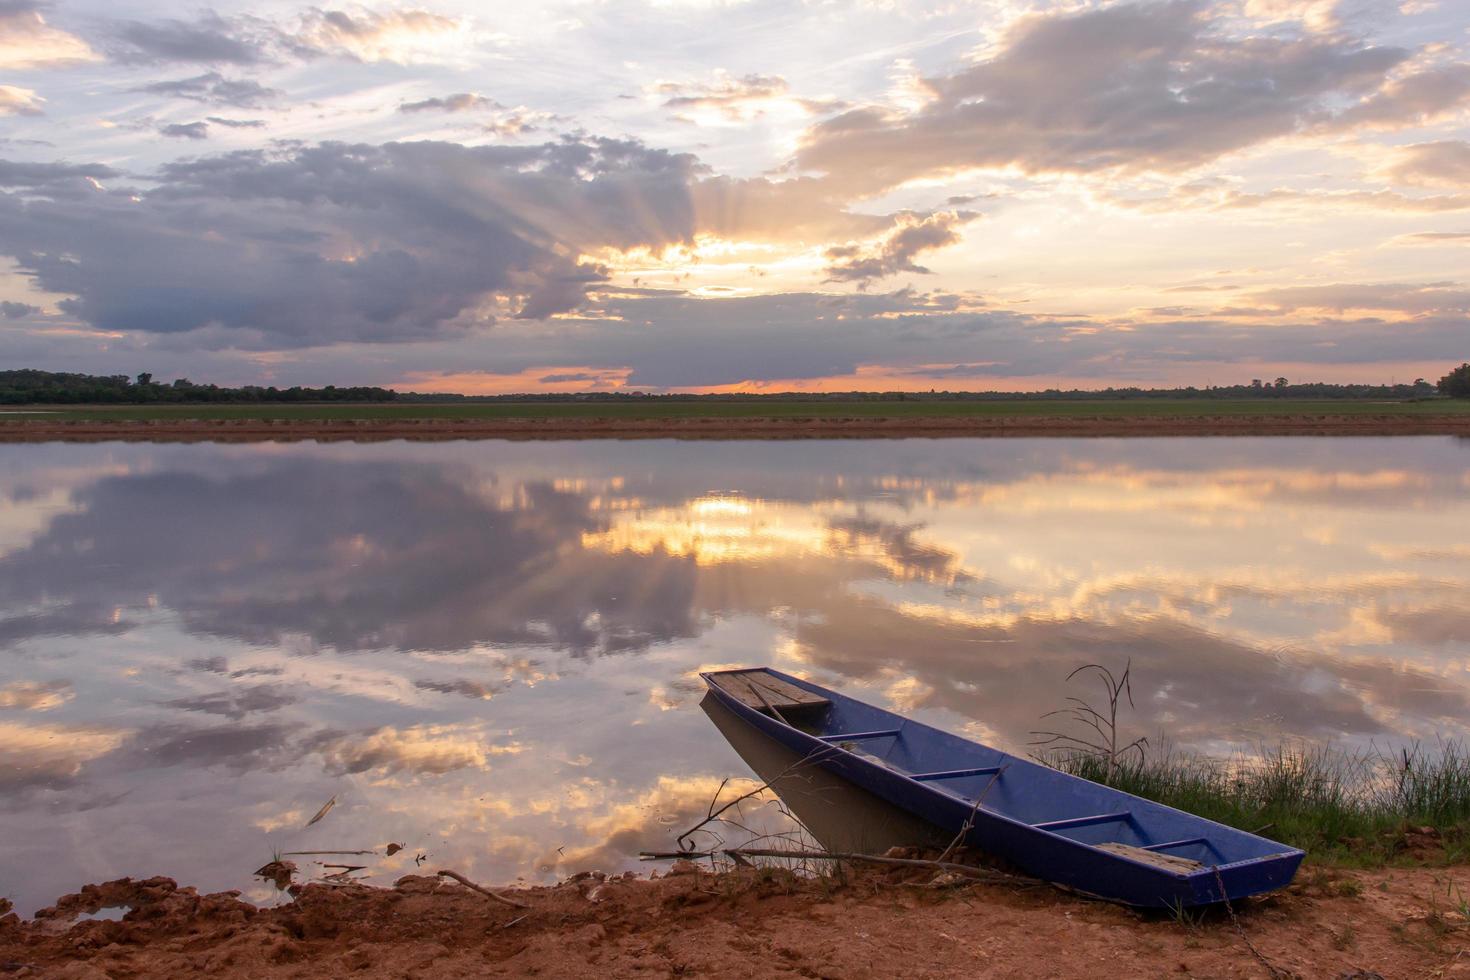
<point>1055,826</point>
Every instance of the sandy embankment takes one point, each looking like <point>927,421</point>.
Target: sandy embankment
<point>1396,923</point>
<point>223,430</point>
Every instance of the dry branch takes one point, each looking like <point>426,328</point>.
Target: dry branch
<point>481,889</point>
<point>735,853</point>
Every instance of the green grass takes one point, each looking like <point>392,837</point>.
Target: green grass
<point>1132,408</point>
<point>1350,809</point>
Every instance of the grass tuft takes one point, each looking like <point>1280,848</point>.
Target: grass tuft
<point>1357,809</point>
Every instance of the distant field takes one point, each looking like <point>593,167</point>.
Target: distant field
<point>1151,408</point>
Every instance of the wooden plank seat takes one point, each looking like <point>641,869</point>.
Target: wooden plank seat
<point>1169,862</point>
<point>760,690</point>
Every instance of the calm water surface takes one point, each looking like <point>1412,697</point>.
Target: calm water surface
<point>486,651</point>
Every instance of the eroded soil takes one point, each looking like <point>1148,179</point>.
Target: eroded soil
<point>1389,923</point>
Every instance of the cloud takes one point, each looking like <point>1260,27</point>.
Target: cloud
<point>895,252</point>
<point>236,704</point>
<point>17,101</point>
<point>208,39</point>
<point>188,131</point>
<point>1413,100</point>
<point>1212,195</point>
<point>403,241</point>
<point>36,695</point>
<point>404,36</point>
<point>28,43</point>
<point>1440,163</point>
<point>53,178</point>
<point>49,755</point>
<point>1411,298</point>
<point>397,241</point>
<point>236,123</point>
<point>11,310</point>
<point>424,749</point>
<point>1131,87</point>
<point>1316,15</point>
<point>1433,238</point>
<point>460,102</point>
<point>390,553</point>
<point>684,341</point>
<point>735,100</point>
<point>215,89</point>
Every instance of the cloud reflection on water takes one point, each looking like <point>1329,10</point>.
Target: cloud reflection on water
<point>486,650</point>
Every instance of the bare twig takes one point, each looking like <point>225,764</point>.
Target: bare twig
<point>1106,748</point>
<point>967,870</point>
<point>969,823</point>
<point>315,853</point>
<point>714,814</point>
<point>482,890</point>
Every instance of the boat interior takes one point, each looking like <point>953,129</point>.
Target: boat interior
<point>996,782</point>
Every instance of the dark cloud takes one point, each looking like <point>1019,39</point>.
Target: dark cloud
<point>208,39</point>
<point>399,242</point>
<point>1141,86</point>
<point>372,564</point>
<point>11,310</point>
<point>52,176</point>
<point>188,131</point>
<point>674,340</point>
<point>896,252</point>
<point>236,704</point>
<point>1224,689</point>
<point>413,235</point>
<point>238,748</point>
<point>236,123</point>
<point>462,687</point>
<point>215,89</point>
<point>461,102</point>
<point>1445,625</point>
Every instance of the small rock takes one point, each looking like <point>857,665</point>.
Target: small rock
<point>683,866</point>
<point>357,958</point>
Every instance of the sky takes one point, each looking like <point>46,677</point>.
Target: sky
<point>736,195</point>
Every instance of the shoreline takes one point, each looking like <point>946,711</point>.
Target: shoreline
<point>755,922</point>
<point>251,430</point>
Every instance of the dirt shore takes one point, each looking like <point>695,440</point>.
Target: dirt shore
<point>1391,923</point>
<point>230,430</point>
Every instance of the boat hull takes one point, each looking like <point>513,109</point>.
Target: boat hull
<point>1076,863</point>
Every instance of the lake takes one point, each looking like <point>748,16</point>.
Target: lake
<point>486,651</point>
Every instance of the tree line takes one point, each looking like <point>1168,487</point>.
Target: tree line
<point>32,387</point>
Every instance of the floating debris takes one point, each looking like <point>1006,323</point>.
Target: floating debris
<point>326,808</point>
<point>278,872</point>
